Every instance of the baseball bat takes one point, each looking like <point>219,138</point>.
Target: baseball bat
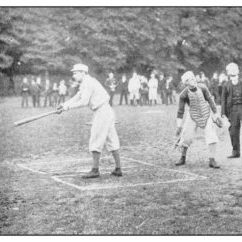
<point>30,119</point>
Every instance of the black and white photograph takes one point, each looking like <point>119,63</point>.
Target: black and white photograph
<point>120,120</point>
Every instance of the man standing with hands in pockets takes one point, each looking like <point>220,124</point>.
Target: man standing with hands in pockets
<point>91,93</point>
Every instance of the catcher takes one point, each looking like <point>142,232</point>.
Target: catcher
<point>199,99</point>
<point>103,130</point>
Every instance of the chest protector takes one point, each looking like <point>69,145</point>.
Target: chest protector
<point>199,108</point>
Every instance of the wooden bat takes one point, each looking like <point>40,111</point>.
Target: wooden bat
<point>30,119</point>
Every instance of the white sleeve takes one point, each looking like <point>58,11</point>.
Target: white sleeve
<point>80,99</point>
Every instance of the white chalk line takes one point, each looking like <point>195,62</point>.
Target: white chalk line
<point>44,163</point>
<point>77,160</point>
<point>127,158</point>
<point>172,170</point>
<point>102,171</point>
<point>32,170</point>
<point>103,187</point>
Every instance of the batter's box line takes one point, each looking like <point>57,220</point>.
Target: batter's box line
<point>102,187</point>
<point>102,171</point>
<point>77,160</point>
<point>123,157</point>
<point>167,169</point>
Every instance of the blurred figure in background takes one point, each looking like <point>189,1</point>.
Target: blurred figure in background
<point>173,92</point>
<point>144,91</point>
<point>204,79</point>
<point>123,90</point>
<point>25,92</point>
<point>55,94</point>
<point>214,87</point>
<point>38,81</point>
<point>134,87</point>
<point>47,93</point>
<point>111,84</point>
<point>161,87</point>
<point>153,85</point>
<point>168,90</point>
<point>34,92</point>
<point>223,78</point>
<point>62,91</point>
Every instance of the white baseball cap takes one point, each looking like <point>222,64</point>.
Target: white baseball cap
<point>232,69</point>
<point>80,67</point>
<point>187,76</point>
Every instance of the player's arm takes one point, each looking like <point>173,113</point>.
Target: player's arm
<point>80,99</point>
<point>209,99</point>
<point>181,110</point>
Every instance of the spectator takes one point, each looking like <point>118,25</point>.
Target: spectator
<point>223,78</point>
<point>168,90</point>
<point>38,81</point>
<point>204,79</point>
<point>214,87</point>
<point>111,84</point>
<point>133,87</point>
<point>161,86</point>
<point>47,93</point>
<point>144,91</point>
<point>62,91</point>
<point>153,85</point>
<point>34,92</point>
<point>25,92</point>
<point>55,94</point>
<point>123,90</point>
<point>173,92</point>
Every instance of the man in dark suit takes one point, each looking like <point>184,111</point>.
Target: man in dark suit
<point>123,90</point>
<point>232,106</point>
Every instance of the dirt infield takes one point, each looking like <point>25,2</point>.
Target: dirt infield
<point>42,191</point>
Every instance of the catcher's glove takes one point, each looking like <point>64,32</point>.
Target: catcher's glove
<point>218,121</point>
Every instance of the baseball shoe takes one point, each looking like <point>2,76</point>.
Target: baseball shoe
<point>181,162</point>
<point>94,173</point>
<point>213,163</point>
<point>116,172</point>
<point>235,154</point>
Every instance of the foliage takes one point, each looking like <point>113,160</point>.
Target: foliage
<point>35,40</point>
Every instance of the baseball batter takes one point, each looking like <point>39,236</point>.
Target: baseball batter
<point>91,93</point>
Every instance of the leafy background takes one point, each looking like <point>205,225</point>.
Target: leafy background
<point>50,40</point>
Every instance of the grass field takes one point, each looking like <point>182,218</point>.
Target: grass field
<point>42,191</point>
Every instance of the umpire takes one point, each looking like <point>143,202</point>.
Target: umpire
<point>232,106</point>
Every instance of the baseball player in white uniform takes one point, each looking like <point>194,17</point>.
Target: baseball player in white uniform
<point>91,93</point>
